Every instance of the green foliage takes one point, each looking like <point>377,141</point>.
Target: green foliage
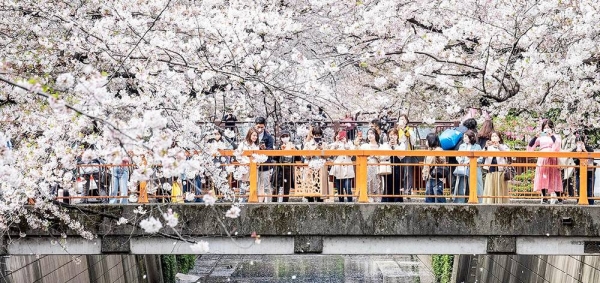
<point>442,267</point>
<point>173,264</point>
<point>523,182</point>
<point>185,262</point>
<point>168,268</point>
<point>593,137</point>
<point>514,130</point>
<point>515,144</point>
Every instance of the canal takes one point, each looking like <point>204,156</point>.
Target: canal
<point>313,268</point>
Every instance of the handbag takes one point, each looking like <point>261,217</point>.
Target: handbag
<point>439,172</point>
<point>509,173</point>
<point>384,170</point>
<point>461,171</point>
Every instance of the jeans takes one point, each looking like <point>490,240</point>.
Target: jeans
<point>264,185</point>
<point>120,177</point>
<point>344,187</point>
<point>434,187</point>
<point>193,186</point>
<point>408,174</point>
<point>590,184</point>
<point>461,189</point>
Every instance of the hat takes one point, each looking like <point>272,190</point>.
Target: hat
<point>285,133</point>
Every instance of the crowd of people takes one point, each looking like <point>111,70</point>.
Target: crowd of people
<point>391,178</point>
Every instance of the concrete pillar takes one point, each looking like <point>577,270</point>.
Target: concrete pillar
<point>308,244</point>
<point>115,244</point>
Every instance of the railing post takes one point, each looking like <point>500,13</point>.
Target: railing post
<point>472,180</point>
<point>583,167</point>
<point>253,181</point>
<point>361,178</point>
<point>143,198</point>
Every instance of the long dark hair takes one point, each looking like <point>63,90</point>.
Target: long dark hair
<point>549,123</point>
<point>432,140</point>
<point>499,136</point>
<point>472,136</point>
<point>486,129</point>
<point>375,133</point>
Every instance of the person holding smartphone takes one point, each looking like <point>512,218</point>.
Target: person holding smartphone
<point>265,142</point>
<point>547,175</point>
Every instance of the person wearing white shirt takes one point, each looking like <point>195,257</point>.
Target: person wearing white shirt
<point>373,179</point>
<point>342,174</point>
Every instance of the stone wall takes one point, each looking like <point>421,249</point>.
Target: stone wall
<point>79,268</point>
<point>528,268</point>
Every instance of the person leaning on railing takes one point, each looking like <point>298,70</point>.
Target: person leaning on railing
<point>434,182</point>
<point>495,183</point>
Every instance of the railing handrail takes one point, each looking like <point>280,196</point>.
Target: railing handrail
<point>362,164</point>
<point>417,153</point>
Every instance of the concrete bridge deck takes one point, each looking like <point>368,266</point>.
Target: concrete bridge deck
<point>411,228</point>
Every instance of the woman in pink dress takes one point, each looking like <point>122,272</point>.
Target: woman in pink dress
<point>547,179</point>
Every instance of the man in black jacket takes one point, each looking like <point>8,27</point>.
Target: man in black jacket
<point>265,142</point>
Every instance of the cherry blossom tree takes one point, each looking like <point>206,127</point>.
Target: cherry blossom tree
<point>140,78</point>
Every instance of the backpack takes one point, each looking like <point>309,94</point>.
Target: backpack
<point>449,138</point>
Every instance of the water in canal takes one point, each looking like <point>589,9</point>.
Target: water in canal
<point>313,268</point>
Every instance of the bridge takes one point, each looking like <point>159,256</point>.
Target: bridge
<point>336,228</point>
<point>302,228</point>
<point>523,163</point>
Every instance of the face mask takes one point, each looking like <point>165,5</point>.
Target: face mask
<point>566,132</point>
<point>285,140</point>
<point>495,139</point>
